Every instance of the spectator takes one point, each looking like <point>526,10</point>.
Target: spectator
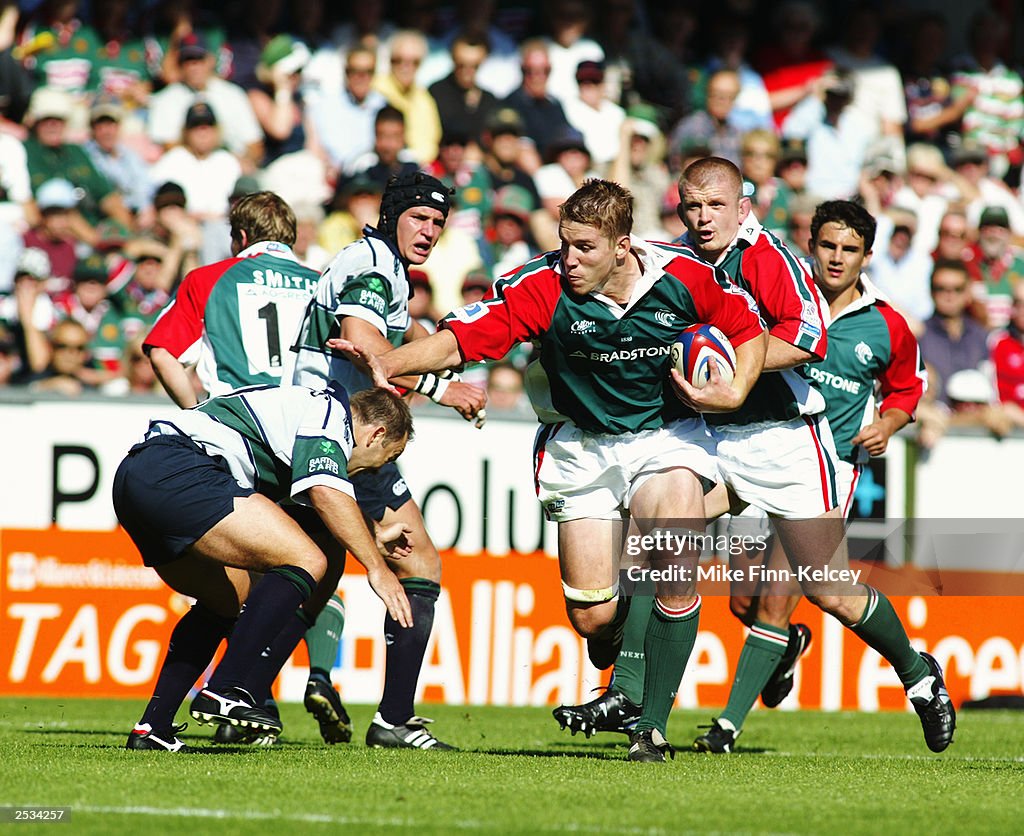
<point>836,146</point>
<point>399,87</point>
<point>356,205</point>
<point>798,230</point>
<point>952,341</point>
<point>137,376</point>
<point>173,25</point>
<point>463,106</point>
<point>456,168</point>
<point>308,217</point>
<point>250,31</point>
<point>421,303</point>
<point>980,190</point>
<point>759,153</point>
<point>710,127</point>
<point>27,314</point>
<point>995,117</point>
<point>929,183</point>
<point>10,359</point>
<point>542,114</point>
<point>568,45</point>
<point>593,115</point>
<point>792,167</point>
<point>881,181</point>
<point>15,81</point>
<point>345,120</point>
<point>389,155</point>
<point>205,171</point>
<point>179,231</point>
<point>505,390</point>
<point>169,108</point>
<point>790,65</point>
<point>119,69</point>
<point>1008,358</point>
<point>637,65</point>
<point>568,165</point>
<point>879,103</point>
<point>954,239</point>
<point>997,268</point>
<point>640,168</point>
<point>934,106</point>
<point>499,74</point>
<point>15,191</point>
<point>902,271</point>
<point>87,301</point>
<point>54,234</point>
<point>113,159</point>
<point>510,227</point>
<point>69,372</point>
<point>730,36</point>
<point>59,49</point>
<point>277,101</point>
<point>49,157</point>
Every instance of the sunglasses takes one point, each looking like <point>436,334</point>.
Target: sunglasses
<point>69,346</point>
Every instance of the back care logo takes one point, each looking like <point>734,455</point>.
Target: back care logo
<point>863,352</point>
<point>666,318</point>
<point>583,326</point>
<point>26,571</point>
<point>399,487</point>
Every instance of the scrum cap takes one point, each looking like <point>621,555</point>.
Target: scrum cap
<point>404,191</point>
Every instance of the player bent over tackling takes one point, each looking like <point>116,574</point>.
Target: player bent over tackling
<point>620,439</point>
<point>198,496</point>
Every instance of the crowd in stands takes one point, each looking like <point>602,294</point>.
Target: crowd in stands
<point>128,128</point>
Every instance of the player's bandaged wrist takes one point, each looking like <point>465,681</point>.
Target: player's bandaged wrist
<point>435,385</point>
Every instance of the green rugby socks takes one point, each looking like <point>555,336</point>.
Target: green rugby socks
<point>670,638</point>
<point>881,629</point>
<point>762,650</point>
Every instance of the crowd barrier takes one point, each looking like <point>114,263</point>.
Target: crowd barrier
<point>80,616</point>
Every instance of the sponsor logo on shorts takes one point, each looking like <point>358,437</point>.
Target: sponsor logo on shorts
<point>583,326</point>
<point>864,352</point>
<point>323,464</point>
<point>553,506</point>
<point>399,487</point>
<point>666,318</point>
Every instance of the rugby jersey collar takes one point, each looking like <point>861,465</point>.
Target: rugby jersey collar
<point>869,295</point>
<point>651,260</point>
<point>274,248</point>
<point>749,232</point>
<point>373,232</point>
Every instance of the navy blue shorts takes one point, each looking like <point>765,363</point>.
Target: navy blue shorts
<point>168,493</point>
<point>378,490</point>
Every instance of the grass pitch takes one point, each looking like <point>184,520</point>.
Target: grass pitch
<point>805,772</point>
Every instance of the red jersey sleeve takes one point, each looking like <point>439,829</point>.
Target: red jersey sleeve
<point>723,305</point>
<point>786,295</point>
<point>903,380</point>
<point>180,326</point>
<point>519,309</point>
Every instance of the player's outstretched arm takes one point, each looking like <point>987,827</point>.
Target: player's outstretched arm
<point>435,353</point>
<point>717,395</point>
<point>343,519</point>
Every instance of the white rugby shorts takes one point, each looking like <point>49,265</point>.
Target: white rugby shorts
<point>580,475</point>
<point>847,476</point>
<point>786,468</point>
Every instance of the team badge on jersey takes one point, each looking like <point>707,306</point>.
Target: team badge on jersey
<point>863,352</point>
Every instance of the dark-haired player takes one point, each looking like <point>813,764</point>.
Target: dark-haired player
<point>363,296</point>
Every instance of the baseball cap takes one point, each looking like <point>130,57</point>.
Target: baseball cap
<point>994,216</point>
<point>286,54</point>
<point>643,120</point>
<point>93,268</point>
<point>590,71</point>
<point>793,150</point>
<point>361,183</point>
<point>192,47</point>
<point>969,152</point>
<point>246,184</point>
<point>514,201</point>
<point>478,278</point>
<point>568,139</point>
<point>47,103</point>
<point>169,194</point>
<point>33,262</point>
<point>199,114</point>
<point>418,278</point>
<point>105,108</point>
<point>58,194</point>
<point>506,121</point>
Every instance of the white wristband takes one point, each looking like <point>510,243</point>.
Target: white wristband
<point>432,386</point>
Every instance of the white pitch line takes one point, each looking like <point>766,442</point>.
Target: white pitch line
<point>882,757</point>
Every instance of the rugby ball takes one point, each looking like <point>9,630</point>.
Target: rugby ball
<point>696,348</point>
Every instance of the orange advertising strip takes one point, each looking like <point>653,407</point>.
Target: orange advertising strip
<point>80,616</point>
